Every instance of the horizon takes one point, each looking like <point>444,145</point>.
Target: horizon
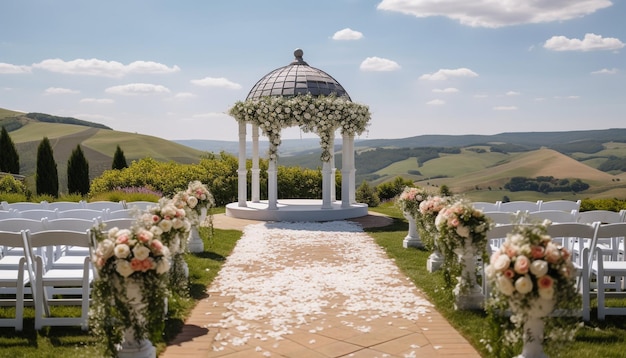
<point>423,67</point>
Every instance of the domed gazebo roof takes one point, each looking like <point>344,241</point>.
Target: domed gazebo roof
<point>297,78</point>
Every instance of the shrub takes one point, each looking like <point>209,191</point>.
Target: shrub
<point>8,184</point>
<point>47,176</point>
<point>78,173</point>
<point>366,194</point>
<point>391,189</point>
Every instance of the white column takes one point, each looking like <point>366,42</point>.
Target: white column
<point>256,186</point>
<point>272,184</point>
<point>345,172</point>
<point>242,188</point>
<point>326,186</point>
<point>352,169</point>
<point>333,170</point>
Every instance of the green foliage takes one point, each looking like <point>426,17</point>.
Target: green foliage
<point>12,197</point>
<point>78,173</point>
<point>603,204</point>
<point>445,191</point>
<point>613,163</point>
<point>508,148</point>
<point>391,189</point>
<point>119,160</point>
<point>42,117</point>
<point>581,146</point>
<point>545,184</point>
<point>47,177</point>
<point>9,159</point>
<point>8,184</point>
<point>366,194</point>
<point>296,182</point>
<point>128,195</point>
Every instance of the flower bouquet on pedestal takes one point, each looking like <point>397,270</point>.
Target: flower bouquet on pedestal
<point>409,202</point>
<point>197,201</point>
<point>463,240</point>
<point>530,276</point>
<point>429,209</point>
<point>129,294</point>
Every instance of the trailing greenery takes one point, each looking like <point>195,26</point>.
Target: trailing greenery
<point>9,159</point>
<point>545,184</point>
<point>47,176</point>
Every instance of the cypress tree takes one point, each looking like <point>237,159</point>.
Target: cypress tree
<point>119,160</point>
<point>9,159</point>
<point>47,177</point>
<point>78,173</point>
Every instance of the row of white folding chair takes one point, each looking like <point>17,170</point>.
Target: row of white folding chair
<point>88,214</point>
<point>64,205</point>
<point>530,206</point>
<point>588,217</point>
<point>14,281</point>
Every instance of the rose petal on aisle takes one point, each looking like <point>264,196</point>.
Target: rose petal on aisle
<point>285,275</point>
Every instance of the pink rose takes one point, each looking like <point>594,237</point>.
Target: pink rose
<point>522,264</point>
<point>509,274</point>
<point>545,281</point>
<point>537,252</point>
<point>553,254</point>
<point>136,265</point>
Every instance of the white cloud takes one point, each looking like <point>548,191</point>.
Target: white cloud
<point>445,74</point>
<point>496,13</point>
<point>605,71</point>
<point>378,64</point>
<point>513,93</point>
<point>95,67</point>
<point>591,42</point>
<point>505,108</point>
<point>347,34</point>
<point>7,68</point>
<point>97,100</point>
<point>436,102</point>
<point>446,90</point>
<point>58,90</point>
<point>220,82</point>
<point>132,89</point>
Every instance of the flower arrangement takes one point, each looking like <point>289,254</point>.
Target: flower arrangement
<point>196,198</point>
<point>169,223</point>
<point>529,274</point>
<point>131,288</point>
<point>462,232</point>
<point>429,209</point>
<point>410,200</point>
<point>321,115</point>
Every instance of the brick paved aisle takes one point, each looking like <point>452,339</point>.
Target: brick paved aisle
<point>314,290</point>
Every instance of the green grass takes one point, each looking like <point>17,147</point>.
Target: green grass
<point>70,342</point>
<point>595,339</point>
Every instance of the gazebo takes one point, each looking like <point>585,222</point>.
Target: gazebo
<point>304,96</point>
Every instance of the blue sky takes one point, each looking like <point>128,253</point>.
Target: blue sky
<point>172,69</point>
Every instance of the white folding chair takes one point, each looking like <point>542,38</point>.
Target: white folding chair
<point>59,286</point>
<point>501,217</point>
<point>104,205</point>
<point>11,255</point>
<point>578,233</point>
<point>610,274</point>
<point>70,255</point>
<point>603,216</point>
<point>121,223</point>
<point>119,214</point>
<point>520,205</point>
<point>87,214</point>
<point>556,216</point>
<point>65,205</point>
<point>8,214</point>
<point>13,281</point>
<point>22,206</point>
<point>38,214</point>
<point>562,205</point>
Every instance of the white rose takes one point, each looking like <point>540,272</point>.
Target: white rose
<point>105,249</point>
<point>505,285</point>
<point>123,268</point>
<point>546,293</point>
<point>141,252</point>
<point>502,263</point>
<point>165,225</point>
<point>178,223</point>
<point>192,201</point>
<point>539,268</point>
<point>163,266</point>
<point>523,285</point>
<point>122,251</point>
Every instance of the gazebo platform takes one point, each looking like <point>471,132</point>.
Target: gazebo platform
<point>296,210</point>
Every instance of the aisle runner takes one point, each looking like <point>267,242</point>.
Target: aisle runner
<point>313,276</point>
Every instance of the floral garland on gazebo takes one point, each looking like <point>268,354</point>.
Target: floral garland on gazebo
<point>321,115</point>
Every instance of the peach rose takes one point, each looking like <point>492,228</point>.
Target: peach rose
<point>522,265</point>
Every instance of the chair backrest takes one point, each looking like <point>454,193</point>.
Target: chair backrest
<point>569,234</point>
<point>613,231</point>
<point>72,224</point>
<point>102,205</point>
<point>51,239</point>
<point>38,214</point>
<point>88,214</point>
<point>65,205</point>
<point>120,223</point>
<point>556,216</point>
<point>21,206</point>
<point>19,224</point>
<point>501,217</point>
<point>140,205</point>
<point>119,214</point>
<point>603,216</point>
<point>11,239</point>
<point>563,205</point>
<point>8,214</point>
<point>486,206</point>
<point>520,205</point>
